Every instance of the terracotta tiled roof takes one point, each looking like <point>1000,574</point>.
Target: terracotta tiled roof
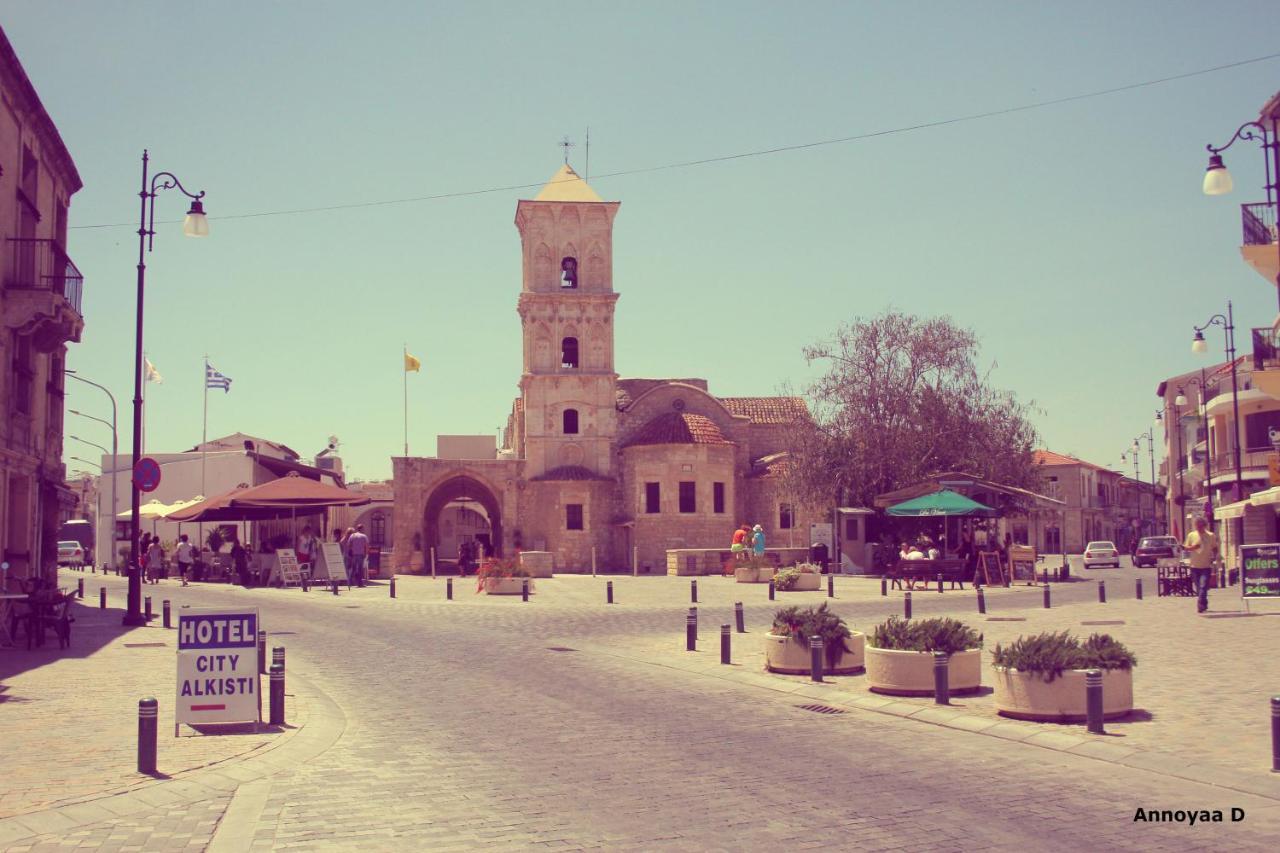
<point>679,428</point>
<point>768,410</point>
<point>1048,458</point>
<point>570,472</point>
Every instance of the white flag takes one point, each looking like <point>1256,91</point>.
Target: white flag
<point>152,374</point>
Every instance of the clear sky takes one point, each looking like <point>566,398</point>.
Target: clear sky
<point>1074,239</point>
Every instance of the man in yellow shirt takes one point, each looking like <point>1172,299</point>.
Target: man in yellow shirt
<point>1202,545</point>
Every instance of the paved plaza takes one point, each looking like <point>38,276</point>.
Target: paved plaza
<point>487,722</point>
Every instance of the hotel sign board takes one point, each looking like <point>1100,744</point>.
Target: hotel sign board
<point>1260,571</point>
<point>218,666</point>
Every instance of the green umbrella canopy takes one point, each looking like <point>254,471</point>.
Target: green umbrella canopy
<point>945,502</point>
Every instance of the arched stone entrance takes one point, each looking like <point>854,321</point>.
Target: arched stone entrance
<point>454,489</point>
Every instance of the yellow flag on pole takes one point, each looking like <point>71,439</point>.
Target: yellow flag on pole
<point>411,364</point>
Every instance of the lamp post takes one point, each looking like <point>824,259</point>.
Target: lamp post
<point>1137,479</point>
<point>1199,346</point>
<point>115,459</point>
<point>1217,180</point>
<point>194,225</point>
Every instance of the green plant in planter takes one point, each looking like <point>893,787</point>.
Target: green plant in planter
<point>925,635</point>
<point>786,579</point>
<point>214,539</point>
<point>496,569</point>
<point>1050,654</point>
<point>805,622</point>
<point>809,568</point>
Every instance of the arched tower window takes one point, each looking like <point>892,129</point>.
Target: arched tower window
<point>569,353</point>
<point>569,273</point>
<point>570,421</point>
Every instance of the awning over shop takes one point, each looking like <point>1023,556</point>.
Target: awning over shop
<point>1235,510</point>
<point>1266,497</point>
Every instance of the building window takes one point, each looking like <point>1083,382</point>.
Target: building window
<point>851,528</point>
<point>786,519</point>
<point>23,375</point>
<point>717,498</point>
<point>569,273</point>
<point>652,497</point>
<point>688,496</point>
<point>30,181</point>
<point>378,529</point>
<point>573,517</point>
<point>569,353</point>
<point>570,421</point>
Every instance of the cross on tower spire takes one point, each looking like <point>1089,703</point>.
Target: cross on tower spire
<point>566,144</point>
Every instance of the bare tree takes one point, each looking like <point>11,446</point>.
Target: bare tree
<point>903,400</point>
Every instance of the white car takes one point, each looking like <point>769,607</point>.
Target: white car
<point>1101,553</point>
<point>70,553</point>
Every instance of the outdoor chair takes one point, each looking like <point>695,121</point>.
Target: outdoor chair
<point>55,614</point>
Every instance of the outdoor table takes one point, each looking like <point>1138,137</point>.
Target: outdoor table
<point>7,603</point>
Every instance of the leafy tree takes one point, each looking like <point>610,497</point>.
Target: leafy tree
<point>904,400</point>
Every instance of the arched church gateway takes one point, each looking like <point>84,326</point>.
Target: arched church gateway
<point>590,462</point>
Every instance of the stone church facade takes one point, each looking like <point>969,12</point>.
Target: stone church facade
<point>590,462</point>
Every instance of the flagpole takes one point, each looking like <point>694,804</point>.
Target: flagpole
<point>404,368</point>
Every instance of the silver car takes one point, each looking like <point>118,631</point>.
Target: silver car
<point>1101,553</point>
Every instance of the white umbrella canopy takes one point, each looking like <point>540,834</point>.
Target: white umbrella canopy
<point>150,509</point>
<point>177,505</point>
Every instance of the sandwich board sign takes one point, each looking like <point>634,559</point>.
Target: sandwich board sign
<point>330,566</point>
<point>1260,571</point>
<point>218,666</point>
<point>287,564</point>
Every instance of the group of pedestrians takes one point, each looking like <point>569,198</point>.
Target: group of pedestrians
<point>153,558</point>
<point>747,540</point>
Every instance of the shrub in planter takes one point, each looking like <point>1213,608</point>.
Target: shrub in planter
<point>925,635</point>
<point>1050,654</point>
<point>499,569</point>
<point>801,623</point>
<point>789,579</point>
<point>1042,677</point>
<point>900,656</point>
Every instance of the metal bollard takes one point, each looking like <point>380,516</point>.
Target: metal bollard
<point>448,589</point>
<point>772,590</point>
<point>393,586</point>
<point>906,604</point>
<point>102,597</point>
<point>939,581</point>
<point>334,585</point>
<point>148,724</point>
<point>608,592</point>
<point>815,658</point>
<point>277,694</point>
<point>277,656</point>
<point>1102,592</point>
<point>1137,588</point>
<point>691,631</point>
<point>693,591</point>
<point>80,589</point>
<point>262,652</point>
<point>724,644</point>
<point>1046,596</point>
<point>884,586</point>
<point>738,617</point>
<point>831,586</point>
<point>1275,734</point>
<point>1093,700</point>
<point>941,678</point>
<point>982,601</point>
<point>146,608</point>
<point>164,608</point>
<point>524,590</point>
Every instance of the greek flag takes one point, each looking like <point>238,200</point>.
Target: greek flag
<point>214,379</point>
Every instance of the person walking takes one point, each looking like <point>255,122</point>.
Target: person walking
<point>357,551</point>
<point>186,557</point>
<point>155,560</point>
<point>1202,543</point>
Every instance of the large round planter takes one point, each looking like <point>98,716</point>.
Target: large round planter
<point>789,655</point>
<point>900,673</point>
<point>506,586</point>
<point>749,574</point>
<point>805,583</point>
<point>1027,696</point>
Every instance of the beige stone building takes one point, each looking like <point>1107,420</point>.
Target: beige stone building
<point>40,292</point>
<point>590,462</point>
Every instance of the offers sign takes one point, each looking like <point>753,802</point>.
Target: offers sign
<point>218,666</point>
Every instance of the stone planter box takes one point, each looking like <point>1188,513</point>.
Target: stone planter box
<point>747,574</point>
<point>506,586</point>
<point>1027,696</point>
<point>788,655</point>
<point>900,673</point>
<point>805,583</point>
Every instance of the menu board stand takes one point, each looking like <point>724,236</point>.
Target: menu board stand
<point>1259,571</point>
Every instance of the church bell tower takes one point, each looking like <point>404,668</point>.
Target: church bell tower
<point>566,315</point>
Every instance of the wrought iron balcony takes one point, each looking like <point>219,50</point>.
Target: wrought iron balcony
<point>1266,348</point>
<point>1259,224</point>
<point>41,264</point>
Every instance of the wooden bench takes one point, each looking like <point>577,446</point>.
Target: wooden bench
<point>928,571</point>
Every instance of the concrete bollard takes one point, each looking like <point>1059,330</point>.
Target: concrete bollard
<point>1275,734</point>
<point>693,591</point>
<point>334,586</point>
<point>262,652</point>
<point>635,561</point>
<point>982,601</point>
<point>146,608</point>
<point>739,618</point>
<point>691,631</point>
<point>393,586</point>
<point>277,694</point>
<point>277,656</point>
<point>1137,588</point>
<point>772,590</point>
<point>906,604</point>
<point>1046,596</point>
<point>1093,701</point>
<point>148,725</point>
<point>815,658</point>
<point>939,581</point>
<point>593,561</point>
<point>831,586</point>
<point>724,644</point>
<point>448,589</point>
<point>80,589</point>
<point>164,608</point>
<point>608,592</point>
<point>433,563</point>
<point>102,597</point>
<point>524,590</point>
<point>1102,592</point>
<point>941,678</point>
<point>884,586</point>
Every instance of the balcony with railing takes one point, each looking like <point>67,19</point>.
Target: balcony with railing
<point>1259,244</point>
<point>44,289</point>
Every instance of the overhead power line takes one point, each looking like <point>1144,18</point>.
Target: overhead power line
<point>724,158</point>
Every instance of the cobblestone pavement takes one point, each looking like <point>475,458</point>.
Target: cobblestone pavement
<point>463,729</point>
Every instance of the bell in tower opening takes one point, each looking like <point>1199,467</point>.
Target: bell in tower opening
<point>569,273</point>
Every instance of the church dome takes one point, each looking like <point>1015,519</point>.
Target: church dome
<point>678,428</point>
